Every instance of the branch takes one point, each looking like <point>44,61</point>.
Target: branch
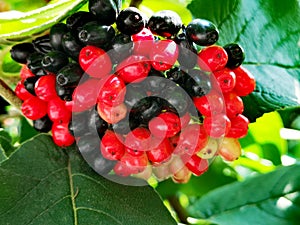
<point>135,3</point>
<point>9,95</point>
<point>177,207</point>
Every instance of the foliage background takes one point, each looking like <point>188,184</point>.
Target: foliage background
<point>55,186</point>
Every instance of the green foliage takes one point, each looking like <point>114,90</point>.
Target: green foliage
<point>6,146</point>
<point>263,200</point>
<point>50,185</point>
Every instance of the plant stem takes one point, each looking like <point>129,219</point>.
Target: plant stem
<point>180,211</point>
<point>9,95</point>
<point>135,3</point>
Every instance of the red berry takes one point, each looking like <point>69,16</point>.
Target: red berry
<point>226,79</point>
<point>133,69</point>
<point>61,135</point>
<point>58,112</point>
<point>245,82</point>
<point>191,140</point>
<point>112,147</point>
<point>234,104</point>
<point>131,164</point>
<point>197,165</point>
<point>25,73</point>
<point>212,58</point>
<point>111,114</point>
<point>210,104</point>
<point>21,91</point>
<point>239,127</point>
<point>217,126</point>
<point>161,150</point>
<point>143,42</point>
<point>45,87</point>
<point>94,61</point>
<point>34,108</point>
<point>166,124</point>
<point>230,149</point>
<point>164,55</point>
<point>112,90</point>
<point>185,119</point>
<point>138,139</point>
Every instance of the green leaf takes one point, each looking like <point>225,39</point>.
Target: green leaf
<point>269,199</point>
<point>269,33</point>
<point>50,185</point>
<point>6,147</point>
<point>16,26</point>
<point>25,5</point>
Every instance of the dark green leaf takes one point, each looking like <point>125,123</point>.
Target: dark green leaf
<point>44,184</point>
<point>16,26</point>
<point>6,147</point>
<point>26,130</point>
<point>269,199</point>
<point>269,33</point>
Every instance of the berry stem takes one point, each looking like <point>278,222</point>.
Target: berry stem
<point>9,95</point>
<point>177,207</point>
<point>135,3</point>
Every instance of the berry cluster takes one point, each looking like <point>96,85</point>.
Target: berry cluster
<point>161,97</point>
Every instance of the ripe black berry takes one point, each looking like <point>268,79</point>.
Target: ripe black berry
<point>96,123</point>
<point>202,32</point>
<point>71,46</point>
<point>177,75</point>
<point>121,48</point>
<point>78,125</point>
<point>69,75</point>
<point>21,52</point>
<point>198,84</point>
<point>29,84</point>
<point>98,35</point>
<point>34,64</point>
<point>42,44</point>
<point>54,61</point>
<point>165,23</point>
<point>43,124</point>
<point>131,21</point>
<point>235,54</point>
<point>57,32</point>
<point>64,93</point>
<point>134,93</point>
<point>76,21</point>
<point>104,10</point>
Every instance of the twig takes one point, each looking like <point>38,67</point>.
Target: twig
<point>9,95</point>
<point>135,3</point>
<point>177,207</point>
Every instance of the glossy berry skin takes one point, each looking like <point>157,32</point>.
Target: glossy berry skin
<point>29,84</point>
<point>111,114</point>
<point>166,124</point>
<point>34,64</point>
<point>25,73</point>
<point>98,35</point>
<point>202,32</point>
<point>94,61</point>
<point>64,93</point>
<point>111,146</point>
<point>187,57</point>
<point>138,139</point>
<point>226,79</point>
<point>76,21</point>
<point>143,42</point>
<point>78,124</point>
<point>95,123</point>
<point>53,61</point>
<point>191,140</point>
<point>234,105</point>
<point>69,75</point>
<point>43,124</point>
<point>34,108</point>
<point>160,151</point>
<point>212,58</point>
<point>131,21</point>
<point>210,104</point>
<point>230,149</point>
<point>239,127</point>
<point>121,47</point>
<point>198,84</point>
<point>61,135</point>
<point>71,45</point>
<point>133,69</point>
<point>236,55</point>
<point>164,55</point>
<point>57,32</point>
<point>21,52</point>
<point>112,91</point>
<point>104,10</point>
<point>165,23</point>
<point>21,91</point>
<point>58,112</point>
<point>131,164</point>
<point>42,44</point>
<point>134,94</point>
<point>245,81</point>
<point>44,88</point>
<point>177,75</point>
<point>197,165</point>
<point>217,125</point>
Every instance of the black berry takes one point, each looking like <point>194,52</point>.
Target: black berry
<point>42,44</point>
<point>43,124</point>
<point>105,10</point>
<point>235,54</point>
<point>69,75</point>
<point>21,52</point>
<point>53,61</point>
<point>57,32</point>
